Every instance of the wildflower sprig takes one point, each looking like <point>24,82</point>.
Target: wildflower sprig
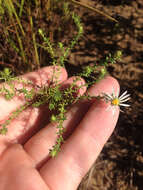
<point>58,101</point>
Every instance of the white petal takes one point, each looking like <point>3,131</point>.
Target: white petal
<point>124,97</point>
<point>123,94</point>
<point>125,100</point>
<point>121,111</point>
<point>106,96</point>
<point>126,105</point>
<point>113,110</point>
<point>118,93</point>
<point>109,96</point>
<point>109,108</point>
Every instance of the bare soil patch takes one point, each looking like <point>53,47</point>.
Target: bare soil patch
<point>120,164</point>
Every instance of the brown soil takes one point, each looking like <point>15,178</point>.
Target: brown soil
<point>120,164</point>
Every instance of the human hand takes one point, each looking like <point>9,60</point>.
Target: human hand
<point>25,163</point>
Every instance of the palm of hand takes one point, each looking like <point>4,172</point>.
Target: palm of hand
<point>24,152</point>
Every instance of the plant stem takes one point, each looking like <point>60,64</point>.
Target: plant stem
<point>34,39</point>
<point>94,9</point>
<point>12,11</point>
<point>21,7</point>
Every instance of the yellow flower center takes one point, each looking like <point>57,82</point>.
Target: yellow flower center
<point>115,102</point>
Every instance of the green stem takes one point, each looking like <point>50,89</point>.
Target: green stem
<point>12,9</point>
<point>21,7</point>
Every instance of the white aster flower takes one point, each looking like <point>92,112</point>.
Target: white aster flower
<point>116,100</point>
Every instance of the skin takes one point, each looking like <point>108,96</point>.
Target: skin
<point>25,163</point>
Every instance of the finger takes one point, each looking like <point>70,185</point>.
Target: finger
<point>29,121</point>
<point>78,110</point>
<point>45,138</point>
<point>41,77</point>
<point>18,172</point>
<point>84,145</point>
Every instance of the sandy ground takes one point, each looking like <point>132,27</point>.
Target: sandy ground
<point>120,165</point>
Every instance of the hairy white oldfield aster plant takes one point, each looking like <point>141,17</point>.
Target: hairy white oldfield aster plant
<point>116,100</point>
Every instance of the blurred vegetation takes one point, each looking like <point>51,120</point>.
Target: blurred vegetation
<point>38,32</point>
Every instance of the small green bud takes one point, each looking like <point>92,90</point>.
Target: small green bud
<point>81,29</point>
<point>87,71</point>
<point>61,45</point>
<point>53,153</point>
<point>40,31</point>
<point>51,106</point>
<point>53,118</point>
<point>103,71</point>
<point>7,71</point>
<point>118,54</point>
<point>3,131</point>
